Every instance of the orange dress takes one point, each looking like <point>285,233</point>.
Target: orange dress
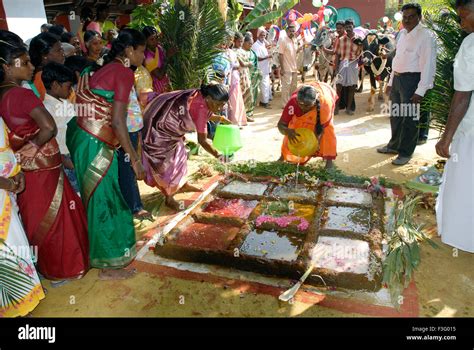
<point>39,85</point>
<point>293,117</point>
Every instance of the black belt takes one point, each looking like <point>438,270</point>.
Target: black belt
<point>407,73</point>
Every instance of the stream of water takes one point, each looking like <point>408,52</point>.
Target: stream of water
<point>297,174</point>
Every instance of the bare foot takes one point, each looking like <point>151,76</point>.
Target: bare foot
<point>143,215</point>
<point>116,274</point>
<point>189,188</point>
<point>173,204</point>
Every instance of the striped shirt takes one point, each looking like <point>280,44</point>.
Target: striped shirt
<point>346,48</point>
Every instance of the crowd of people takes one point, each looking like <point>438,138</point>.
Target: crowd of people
<point>85,116</point>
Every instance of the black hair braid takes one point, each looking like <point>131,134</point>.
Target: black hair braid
<point>319,127</point>
<point>126,38</point>
<point>117,49</point>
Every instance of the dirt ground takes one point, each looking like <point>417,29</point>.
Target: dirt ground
<point>445,278</point>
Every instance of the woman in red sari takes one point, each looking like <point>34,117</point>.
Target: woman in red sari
<point>52,213</point>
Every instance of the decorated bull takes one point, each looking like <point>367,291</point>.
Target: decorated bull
<point>379,50</point>
<point>324,62</point>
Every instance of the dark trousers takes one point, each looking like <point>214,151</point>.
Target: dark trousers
<point>343,99</point>
<point>404,116</point>
<point>127,179</point>
<point>424,125</point>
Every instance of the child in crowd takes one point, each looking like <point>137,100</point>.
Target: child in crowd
<point>58,81</point>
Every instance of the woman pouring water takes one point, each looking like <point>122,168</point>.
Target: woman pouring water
<point>167,119</point>
<point>311,107</point>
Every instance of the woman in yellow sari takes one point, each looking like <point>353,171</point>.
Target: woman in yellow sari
<point>20,288</point>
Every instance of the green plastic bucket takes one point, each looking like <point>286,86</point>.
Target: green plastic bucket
<point>227,139</point>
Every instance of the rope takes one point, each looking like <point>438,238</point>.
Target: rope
<point>338,77</point>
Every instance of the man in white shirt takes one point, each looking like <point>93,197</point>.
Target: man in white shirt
<point>288,48</point>
<point>263,56</point>
<point>413,72</point>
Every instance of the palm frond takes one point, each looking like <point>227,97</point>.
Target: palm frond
<point>194,37</point>
<point>211,33</point>
<point>449,35</point>
<point>403,257</point>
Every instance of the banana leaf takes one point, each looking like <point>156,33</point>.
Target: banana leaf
<point>234,11</point>
<point>269,17</point>
<point>264,13</point>
<point>260,8</point>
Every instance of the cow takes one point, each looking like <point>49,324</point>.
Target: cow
<point>324,62</point>
<point>379,50</point>
<point>305,60</point>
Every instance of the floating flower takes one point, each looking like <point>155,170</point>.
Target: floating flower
<point>283,221</point>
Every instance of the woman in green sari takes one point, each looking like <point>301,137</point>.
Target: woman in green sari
<point>92,138</point>
<point>254,72</point>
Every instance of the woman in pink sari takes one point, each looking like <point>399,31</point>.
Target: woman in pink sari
<point>155,60</point>
<point>167,119</point>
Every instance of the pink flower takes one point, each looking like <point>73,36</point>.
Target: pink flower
<point>283,221</point>
<point>304,224</point>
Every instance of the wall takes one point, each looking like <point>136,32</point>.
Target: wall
<point>369,10</point>
<point>25,17</point>
<point>3,17</point>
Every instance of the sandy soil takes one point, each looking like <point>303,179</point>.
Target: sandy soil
<point>445,279</point>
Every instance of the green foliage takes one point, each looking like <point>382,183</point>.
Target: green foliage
<point>450,36</point>
<point>277,209</point>
<point>280,169</point>
<point>267,11</point>
<point>431,4</point>
<point>193,38</point>
<point>14,282</point>
<point>145,15</point>
<point>234,11</point>
<point>403,256</point>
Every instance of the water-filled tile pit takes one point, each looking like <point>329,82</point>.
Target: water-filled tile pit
<point>266,227</point>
